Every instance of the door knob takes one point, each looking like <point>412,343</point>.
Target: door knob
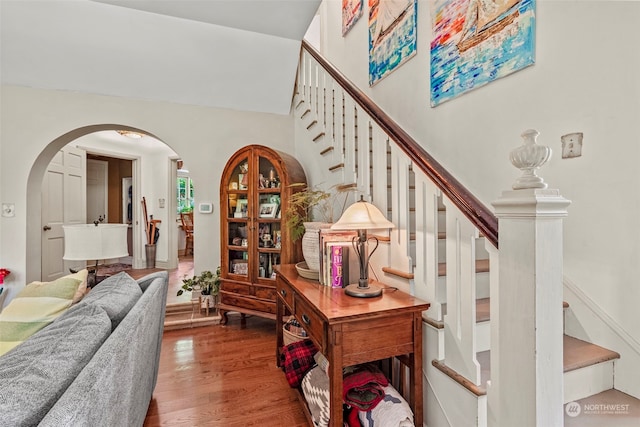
<point>46,228</point>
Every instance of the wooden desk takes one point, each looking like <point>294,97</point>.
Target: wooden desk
<point>350,331</point>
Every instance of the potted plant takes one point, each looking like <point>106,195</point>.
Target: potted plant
<point>301,209</point>
<point>206,285</point>
<point>310,210</point>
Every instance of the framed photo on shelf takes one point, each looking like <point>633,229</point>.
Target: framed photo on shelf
<point>241,208</point>
<point>268,210</point>
<point>240,266</point>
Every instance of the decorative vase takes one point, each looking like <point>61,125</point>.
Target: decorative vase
<point>311,243</point>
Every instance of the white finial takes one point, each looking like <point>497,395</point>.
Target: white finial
<point>528,158</point>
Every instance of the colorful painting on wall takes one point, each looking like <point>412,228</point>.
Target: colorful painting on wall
<point>478,41</point>
<point>392,35</point>
<point>351,12</point>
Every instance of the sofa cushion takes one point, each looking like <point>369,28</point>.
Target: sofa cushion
<point>116,295</point>
<point>35,306</point>
<point>35,374</point>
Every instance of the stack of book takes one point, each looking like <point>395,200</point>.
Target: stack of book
<point>338,258</point>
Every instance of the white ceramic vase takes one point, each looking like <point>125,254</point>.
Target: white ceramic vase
<point>311,243</point>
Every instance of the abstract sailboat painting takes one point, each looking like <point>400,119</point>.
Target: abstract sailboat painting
<point>351,12</point>
<point>478,41</point>
<point>392,35</point>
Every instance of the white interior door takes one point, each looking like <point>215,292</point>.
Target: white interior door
<point>63,202</point>
<point>97,191</point>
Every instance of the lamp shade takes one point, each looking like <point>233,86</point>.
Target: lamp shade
<point>362,215</point>
<point>88,241</point>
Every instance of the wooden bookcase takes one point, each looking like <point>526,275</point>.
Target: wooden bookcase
<point>254,189</point>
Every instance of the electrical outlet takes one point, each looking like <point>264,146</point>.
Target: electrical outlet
<point>571,145</point>
<point>8,210</point>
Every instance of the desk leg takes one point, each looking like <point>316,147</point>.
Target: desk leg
<point>415,381</point>
<point>335,377</point>
<point>279,338</point>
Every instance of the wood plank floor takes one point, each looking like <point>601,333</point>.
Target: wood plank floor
<point>185,268</point>
<point>223,376</point>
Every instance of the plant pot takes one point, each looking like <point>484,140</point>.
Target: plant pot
<point>207,301</point>
<point>311,243</point>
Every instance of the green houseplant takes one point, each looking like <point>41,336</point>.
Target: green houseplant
<point>206,282</point>
<point>301,209</point>
<point>310,210</point>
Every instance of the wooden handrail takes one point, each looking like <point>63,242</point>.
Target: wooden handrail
<point>468,204</point>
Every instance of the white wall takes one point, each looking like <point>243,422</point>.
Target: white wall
<point>586,79</point>
<point>32,118</point>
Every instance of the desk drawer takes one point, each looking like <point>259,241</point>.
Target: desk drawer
<point>310,321</point>
<point>285,292</point>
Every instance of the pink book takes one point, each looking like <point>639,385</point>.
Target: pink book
<point>339,254</point>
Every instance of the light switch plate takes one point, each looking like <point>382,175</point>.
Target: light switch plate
<point>571,145</point>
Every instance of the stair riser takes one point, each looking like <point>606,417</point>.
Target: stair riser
<point>481,252</point>
<point>587,381</point>
<point>482,286</point>
<point>483,336</point>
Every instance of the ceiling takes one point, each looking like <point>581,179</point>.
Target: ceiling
<point>238,54</point>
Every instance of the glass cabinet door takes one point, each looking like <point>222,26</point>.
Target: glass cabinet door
<point>268,218</point>
<point>238,219</point>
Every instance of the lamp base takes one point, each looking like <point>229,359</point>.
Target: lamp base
<point>370,291</point>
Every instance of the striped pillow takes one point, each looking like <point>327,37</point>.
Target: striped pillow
<point>35,306</point>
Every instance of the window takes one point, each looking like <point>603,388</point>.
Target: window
<point>184,194</point>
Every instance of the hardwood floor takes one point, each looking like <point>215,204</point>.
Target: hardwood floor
<point>185,268</point>
<point>223,376</point>
<point>220,375</point>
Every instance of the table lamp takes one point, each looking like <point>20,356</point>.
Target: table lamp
<point>363,216</point>
<point>83,242</point>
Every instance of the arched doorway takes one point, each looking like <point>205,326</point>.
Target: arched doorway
<point>152,175</point>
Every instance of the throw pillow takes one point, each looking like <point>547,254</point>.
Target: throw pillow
<point>35,306</point>
<point>82,288</point>
<point>116,295</point>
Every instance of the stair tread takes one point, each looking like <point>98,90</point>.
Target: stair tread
<point>483,309</point>
<point>579,353</point>
<point>617,413</point>
<point>482,266</point>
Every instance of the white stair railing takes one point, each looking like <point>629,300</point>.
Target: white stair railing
<point>361,149</point>
<point>349,133</point>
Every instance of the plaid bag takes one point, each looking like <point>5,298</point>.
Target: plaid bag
<point>296,360</point>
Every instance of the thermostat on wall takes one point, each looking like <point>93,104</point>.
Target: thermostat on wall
<point>205,208</point>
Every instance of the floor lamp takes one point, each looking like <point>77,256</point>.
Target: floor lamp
<point>84,242</point>
<point>363,216</point>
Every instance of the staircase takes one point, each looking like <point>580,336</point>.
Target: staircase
<point>444,250</point>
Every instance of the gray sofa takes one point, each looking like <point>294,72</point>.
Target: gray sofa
<point>95,365</point>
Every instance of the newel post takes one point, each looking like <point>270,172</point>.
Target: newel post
<point>526,304</point>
